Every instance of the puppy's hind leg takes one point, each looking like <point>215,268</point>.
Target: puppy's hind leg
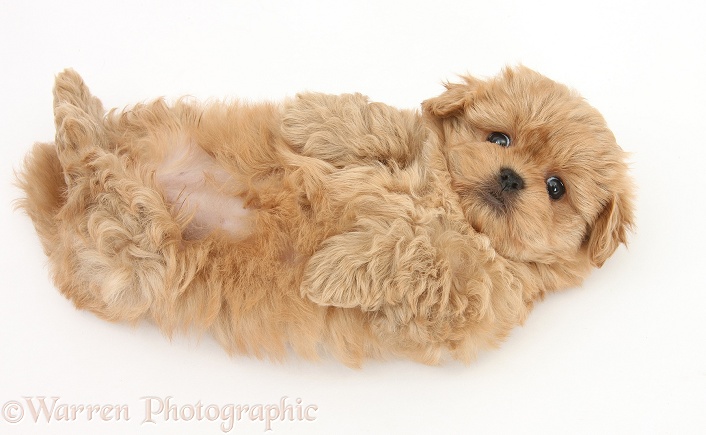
<point>47,168</point>
<point>119,250</point>
<point>78,117</point>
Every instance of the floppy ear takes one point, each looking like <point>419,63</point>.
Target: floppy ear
<point>456,97</point>
<point>610,230</point>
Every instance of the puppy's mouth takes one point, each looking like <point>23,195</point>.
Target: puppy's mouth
<point>494,198</point>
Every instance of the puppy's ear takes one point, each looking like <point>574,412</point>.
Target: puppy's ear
<point>456,97</point>
<point>610,229</point>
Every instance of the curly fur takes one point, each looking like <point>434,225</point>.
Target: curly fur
<point>327,223</point>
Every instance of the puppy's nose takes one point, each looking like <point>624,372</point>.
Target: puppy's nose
<point>510,181</point>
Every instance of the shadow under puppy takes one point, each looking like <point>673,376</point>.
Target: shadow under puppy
<point>330,223</point>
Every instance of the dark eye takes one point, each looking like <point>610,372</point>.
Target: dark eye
<point>499,138</point>
<point>555,187</point>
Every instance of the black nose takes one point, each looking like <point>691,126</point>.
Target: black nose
<point>510,181</point>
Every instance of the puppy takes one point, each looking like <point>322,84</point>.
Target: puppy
<point>330,224</point>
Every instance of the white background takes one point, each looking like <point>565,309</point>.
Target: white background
<point>622,354</point>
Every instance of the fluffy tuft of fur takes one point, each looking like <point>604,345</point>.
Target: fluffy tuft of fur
<point>328,223</point>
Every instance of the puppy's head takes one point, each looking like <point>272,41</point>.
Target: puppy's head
<point>536,168</point>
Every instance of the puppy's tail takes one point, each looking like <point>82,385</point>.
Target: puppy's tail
<point>78,117</point>
<point>42,180</point>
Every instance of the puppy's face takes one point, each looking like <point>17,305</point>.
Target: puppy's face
<point>535,166</point>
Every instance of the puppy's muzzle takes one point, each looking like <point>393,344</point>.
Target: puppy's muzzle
<point>500,191</point>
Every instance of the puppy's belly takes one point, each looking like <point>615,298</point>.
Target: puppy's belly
<point>196,186</point>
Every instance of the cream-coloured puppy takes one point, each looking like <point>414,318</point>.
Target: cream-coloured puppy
<point>330,223</point>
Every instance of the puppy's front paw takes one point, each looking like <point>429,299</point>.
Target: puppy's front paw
<point>348,129</point>
<point>326,127</point>
<point>339,274</point>
<point>373,267</point>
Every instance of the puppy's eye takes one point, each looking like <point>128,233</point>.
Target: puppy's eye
<point>499,138</point>
<point>555,188</point>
